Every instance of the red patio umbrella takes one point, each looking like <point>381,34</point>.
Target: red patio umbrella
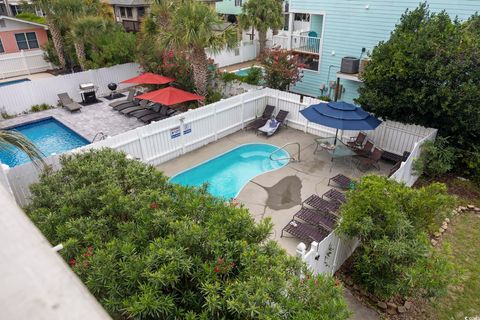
<point>169,96</point>
<point>149,78</point>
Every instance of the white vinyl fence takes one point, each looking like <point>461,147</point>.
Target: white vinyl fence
<point>20,97</point>
<point>172,137</point>
<point>246,51</point>
<point>23,63</point>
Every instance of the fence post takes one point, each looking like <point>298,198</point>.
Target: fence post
<point>334,265</point>
<point>243,109</point>
<point>215,121</point>
<point>143,147</point>
<point>301,249</point>
<point>182,137</point>
<point>24,60</point>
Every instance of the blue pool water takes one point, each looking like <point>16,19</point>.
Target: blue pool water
<point>49,135</point>
<point>7,83</point>
<point>243,72</point>
<point>228,173</point>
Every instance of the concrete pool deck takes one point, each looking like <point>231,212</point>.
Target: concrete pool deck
<point>277,194</point>
<point>92,119</point>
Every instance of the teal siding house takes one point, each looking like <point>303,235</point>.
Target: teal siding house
<point>229,7</point>
<point>324,31</point>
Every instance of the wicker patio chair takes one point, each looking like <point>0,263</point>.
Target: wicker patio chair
<point>371,161</point>
<point>358,142</point>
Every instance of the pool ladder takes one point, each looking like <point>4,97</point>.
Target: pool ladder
<point>100,135</point>
<point>283,148</point>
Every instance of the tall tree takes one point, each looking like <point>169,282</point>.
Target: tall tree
<point>49,8</point>
<point>262,15</point>
<point>428,73</point>
<point>83,29</point>
<point>9,139</point>
<point>194,28</point>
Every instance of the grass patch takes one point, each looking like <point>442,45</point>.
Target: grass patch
<point>460,246</point>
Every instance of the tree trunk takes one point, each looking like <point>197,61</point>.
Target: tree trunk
<point>80,51</point>
<point>57,41</point>
<point>262,38</point>
<point>200,70</point>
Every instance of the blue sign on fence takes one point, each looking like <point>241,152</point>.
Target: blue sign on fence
<point>187,128</point>
<point>174,133</point>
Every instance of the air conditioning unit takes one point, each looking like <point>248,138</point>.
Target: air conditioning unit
<point>349,65</point>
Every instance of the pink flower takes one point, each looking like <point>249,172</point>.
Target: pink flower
<point>153,205</point>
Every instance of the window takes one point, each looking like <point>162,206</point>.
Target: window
<point>1,47</point>
<point>305,17</point>
<point>26,41</point>
<point>238,3</point>
<point>141,11</point>
<point>310,62</point>
<point>126,12</point>
<point>15,9</point>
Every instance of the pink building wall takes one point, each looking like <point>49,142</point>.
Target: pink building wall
<point>10,44</point>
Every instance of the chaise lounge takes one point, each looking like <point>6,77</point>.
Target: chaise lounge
<point>68,103</point>
<point>305,232</point>
<point>317,218</point>
<point>131,95</point>
<point>342,181</point>
<point>271,126</point>
<point>260,122</point>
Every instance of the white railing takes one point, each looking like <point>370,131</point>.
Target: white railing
<point>306,44</point>
<point>299,43</point>
<point>20,97</point>
<point>23,63</point>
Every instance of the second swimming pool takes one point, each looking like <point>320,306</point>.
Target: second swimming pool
<point>228,173</point>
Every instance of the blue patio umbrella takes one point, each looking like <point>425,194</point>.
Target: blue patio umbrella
<point>340,115</point>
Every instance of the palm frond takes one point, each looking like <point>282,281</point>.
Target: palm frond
<point>9,138</point>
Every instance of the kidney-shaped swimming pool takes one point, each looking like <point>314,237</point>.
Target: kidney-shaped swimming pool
<point>229,172</point>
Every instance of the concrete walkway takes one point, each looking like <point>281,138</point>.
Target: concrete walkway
<point>360,312</point>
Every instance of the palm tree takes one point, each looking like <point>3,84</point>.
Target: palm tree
<point>52,20</point>
<point>85,28</point>
<point>261,15</point>
<point>10,138</point>
<point>195,27</point>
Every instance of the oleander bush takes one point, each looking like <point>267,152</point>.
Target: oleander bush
<point>392,222</point>
<point>148,249</point>
<point>436,158</point>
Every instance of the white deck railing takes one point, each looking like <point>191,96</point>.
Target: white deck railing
<point>298,43</point>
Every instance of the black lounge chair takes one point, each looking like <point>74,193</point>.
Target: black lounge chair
<point>317,218</point>
<point>335,195</point>
<point>305,232</point>
<point>320,204</point>
<point>134,103</point>
<point>280,118</point>
<point>342,181</point>
<point>163,113</point>
<point>131,95</point>
<point>141,106</point>
<point>260,122</point>
<point>68,102</point>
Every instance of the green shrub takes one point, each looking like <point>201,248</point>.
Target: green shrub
<point>436,158</point>
<point>254,76</point>
<point>6,115</point>
<point>41,107</point>
<point>213,96</point>
<point>325,98</point>
<point>392,222</point>
<point>230,77</point>
<point>32,17</point>
<point>148,249</point>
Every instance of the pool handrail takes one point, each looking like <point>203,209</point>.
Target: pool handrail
<point>283,148</point>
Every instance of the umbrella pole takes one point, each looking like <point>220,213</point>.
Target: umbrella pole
<point>335,142</point>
